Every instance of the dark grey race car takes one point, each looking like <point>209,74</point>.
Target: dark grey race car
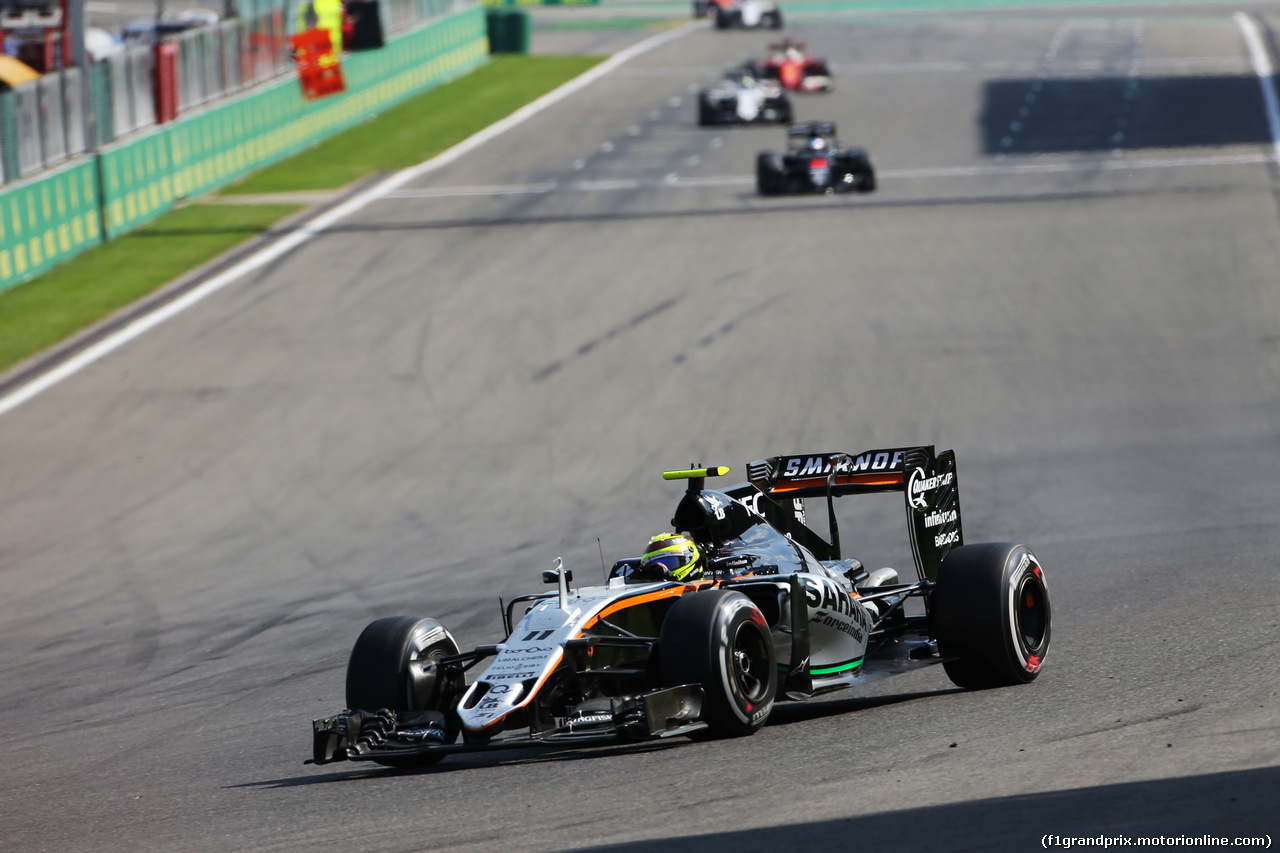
<point>814,162</point>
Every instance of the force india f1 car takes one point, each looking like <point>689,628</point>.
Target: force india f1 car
<point>742,98</point>
<point>777,615</point>
<point>814,162</point>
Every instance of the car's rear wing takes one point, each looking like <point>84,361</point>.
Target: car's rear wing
<point>926,479</point>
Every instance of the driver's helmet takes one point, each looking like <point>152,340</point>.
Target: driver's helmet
<point>817,143</point>
<point>676,554</point>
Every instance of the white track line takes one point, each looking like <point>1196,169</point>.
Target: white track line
<point>1108,165</point>
<point>325,221</point>
<point>1262,67</point>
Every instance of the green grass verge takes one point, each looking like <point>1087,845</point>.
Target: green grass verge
<point>89,287</point>
<point>38,314</point>
<point>421,127</point>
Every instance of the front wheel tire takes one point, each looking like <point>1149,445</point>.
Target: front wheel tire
<point>991,614</point>
<point>719,640</point>
<point>392,667</point>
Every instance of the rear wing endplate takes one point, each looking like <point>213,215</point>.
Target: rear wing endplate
<point>926,479</point>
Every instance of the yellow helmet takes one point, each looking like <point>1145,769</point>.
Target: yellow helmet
<point>676,553</point>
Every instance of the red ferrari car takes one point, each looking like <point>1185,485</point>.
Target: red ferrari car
<point>792,66</point>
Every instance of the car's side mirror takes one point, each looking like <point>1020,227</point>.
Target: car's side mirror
<point>553,576</point>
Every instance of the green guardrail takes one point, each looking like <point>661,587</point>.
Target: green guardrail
<point>47,221</point>
<point>56,216</point>
<point>493,3</point>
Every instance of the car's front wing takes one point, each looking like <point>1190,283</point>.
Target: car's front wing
<point>391,736</point>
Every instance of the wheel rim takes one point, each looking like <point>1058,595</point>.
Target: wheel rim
<point>749,661</point>
<point>1032,613</point>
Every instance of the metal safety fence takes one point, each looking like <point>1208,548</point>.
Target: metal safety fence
<point>48,121</point>
<point>221,60</point>
<point>400,14</point>
<point>129,77</point>
<point>52,216</point>
<point>43,124</point>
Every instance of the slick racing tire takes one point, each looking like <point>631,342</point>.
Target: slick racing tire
<point>726,19</point>
<point>719,639</point>
<point>861,174</point>
<point>991,613</point>
<point>769,175</point>
<point>388,669</point>
<point>784,112</point>
<point>706,113</point>
<point>772,20</point>
<point>865,179</point>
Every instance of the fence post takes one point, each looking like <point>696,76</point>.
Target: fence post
<point>9,145</point>
<point>166,70</point>
<point>100,95</point>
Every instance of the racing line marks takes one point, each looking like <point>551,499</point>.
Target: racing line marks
<point>61,369</point>
<point>726,328</point>
<point>586,348</point>
<point>1260,60</point>
<point>1042,73</point>
<point>1130,86</point>
<point>1053,92</point>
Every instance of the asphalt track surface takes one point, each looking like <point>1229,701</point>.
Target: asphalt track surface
<point>417,410</point>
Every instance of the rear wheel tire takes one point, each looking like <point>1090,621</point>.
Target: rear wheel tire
<point>785,112</point>
<point>387,670</point>
<point>991,613</point>
<point>719,640</point>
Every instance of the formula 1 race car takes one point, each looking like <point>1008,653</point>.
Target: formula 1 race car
<point>814,162</point>
<point>742,98</point>
<point>747,14</point>
<point>792,66</point>
<point>773,613</point>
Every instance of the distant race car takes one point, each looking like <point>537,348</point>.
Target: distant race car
<point>703,8</point>
<point>742,98</point>
<point>792,66</point>
<point>749,14</point>
<point>773,613</point>
<point>814,162</point>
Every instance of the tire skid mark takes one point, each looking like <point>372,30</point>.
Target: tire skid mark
<point>726,328</point>
<point>586,348</point>
<point>1124,724</point>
